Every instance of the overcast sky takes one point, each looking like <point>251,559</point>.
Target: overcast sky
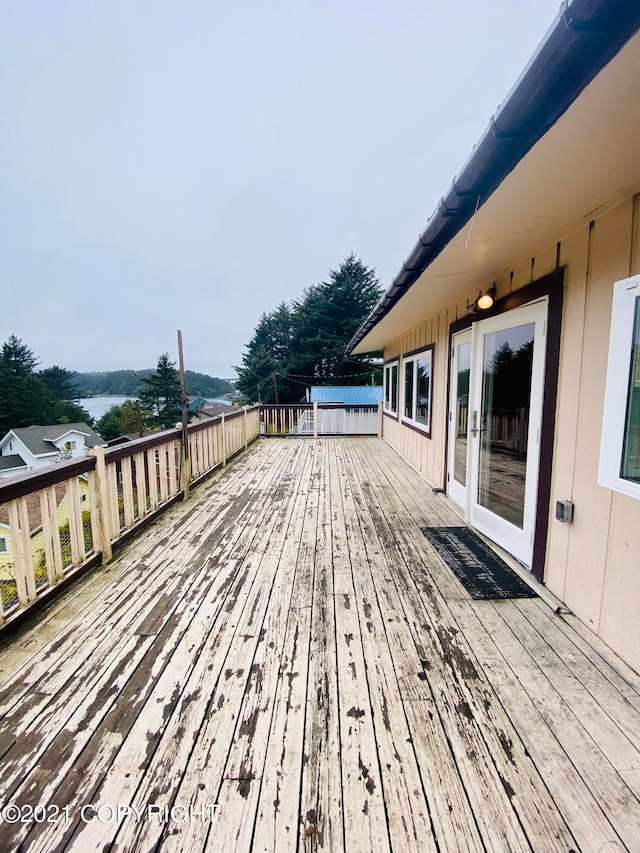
<point>190,164</point>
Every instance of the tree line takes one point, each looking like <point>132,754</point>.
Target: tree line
<point>126,383</point>
<point>303,344</point>
<point>30,396</point>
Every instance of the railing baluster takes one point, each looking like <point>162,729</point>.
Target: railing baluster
<point>127,492</point>
<point>76,531</point>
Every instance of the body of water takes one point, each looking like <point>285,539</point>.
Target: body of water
<point>98,406</point>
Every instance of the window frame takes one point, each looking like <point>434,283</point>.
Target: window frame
<point>390,366</point>
<point>626,292</point>
<point>412,358</point>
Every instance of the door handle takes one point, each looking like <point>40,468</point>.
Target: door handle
<point>474,424</point>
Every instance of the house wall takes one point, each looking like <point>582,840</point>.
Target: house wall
<point>592,565</point>
<point>78,450</point>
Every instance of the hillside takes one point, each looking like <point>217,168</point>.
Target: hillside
<point>126,382</point>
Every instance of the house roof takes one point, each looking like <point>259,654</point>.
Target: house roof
<point>197,402</point>
<point>39,439</point>
<point>13,460</point>
<point>565,138</point>
<point>350,395</point>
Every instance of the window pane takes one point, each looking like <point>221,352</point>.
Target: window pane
<point>387,387</point>
<point>408,389</point>
<point>630,469</point>
<point>506,403</point>
<point>394,388</point>
<point>423,389</point>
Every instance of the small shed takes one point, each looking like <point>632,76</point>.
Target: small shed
<point>348,395</point>
<point>343,410</point>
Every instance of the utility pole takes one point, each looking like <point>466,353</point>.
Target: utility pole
<point>275,387</point>
<point>186,462</point>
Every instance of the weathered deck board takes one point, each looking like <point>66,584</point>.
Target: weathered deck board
<point>500,769</point>
<point>288,646</point>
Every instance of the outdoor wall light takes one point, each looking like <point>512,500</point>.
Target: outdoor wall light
<point>483,302</point>
<point>486,300</point>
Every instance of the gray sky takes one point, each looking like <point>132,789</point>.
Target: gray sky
<point>190,164</point>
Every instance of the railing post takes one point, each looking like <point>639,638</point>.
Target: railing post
<point>380,419</point>
<point>223,441</point>
<point>315,419</point>
<point>102,501</point>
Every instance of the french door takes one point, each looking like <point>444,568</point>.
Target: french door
<point>495,412</point>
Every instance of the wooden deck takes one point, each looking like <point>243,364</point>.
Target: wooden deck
<point>283,663</point>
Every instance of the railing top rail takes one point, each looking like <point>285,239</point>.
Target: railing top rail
<point>235,413</point>
<point>136,445</point>
<point>286,406</point>
<point>25,484</point>
<point>325,405</point>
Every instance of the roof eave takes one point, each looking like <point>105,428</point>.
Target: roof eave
<point>583,38</point>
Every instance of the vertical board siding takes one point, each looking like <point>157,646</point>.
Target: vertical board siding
<point>591,564</point>
<point>609,261</point>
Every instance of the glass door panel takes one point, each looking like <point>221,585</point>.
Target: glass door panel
<point>504,425</point>
<point>459,416</point>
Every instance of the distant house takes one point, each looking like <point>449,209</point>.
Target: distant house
<point>29,448</point>
<point>200,409</point>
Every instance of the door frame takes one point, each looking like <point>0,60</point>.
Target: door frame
<point>551,285</point>
<point>517,540</point>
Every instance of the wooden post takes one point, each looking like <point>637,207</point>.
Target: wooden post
<point>186,461</point>
<point>102,504</point>
<point>315,420</point>
<point>380,419</point>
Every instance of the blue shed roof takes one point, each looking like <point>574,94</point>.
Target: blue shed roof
<point>350,395</point>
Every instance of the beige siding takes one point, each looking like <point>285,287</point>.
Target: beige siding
<point>593,564</point>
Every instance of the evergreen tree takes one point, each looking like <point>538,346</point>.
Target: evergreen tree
<point>325,320</point>
<point>268,356</point>
<point>59,397</point>
<point>31,397</point>
<point>160,396</point>
<point>118,420</point>
<point>21,393</point>
<point>305,344</point>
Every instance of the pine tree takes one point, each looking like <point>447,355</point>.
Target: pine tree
<point>160,396</point>
<point>118,420</point>
<point>305,344</point>
<point>268,355</point>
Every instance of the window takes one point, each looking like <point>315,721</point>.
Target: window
<point>620,445</point>
<point>3,545</point>
<point>391,388</point>
<point>70,445</point>
<point>417,369</point>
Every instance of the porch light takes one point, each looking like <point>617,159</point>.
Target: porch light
<point>485,301</point>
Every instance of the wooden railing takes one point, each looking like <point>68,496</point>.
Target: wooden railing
<point>315,419</point>
<point>61,520</point>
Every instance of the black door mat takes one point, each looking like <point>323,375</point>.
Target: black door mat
<point>480,570</point>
